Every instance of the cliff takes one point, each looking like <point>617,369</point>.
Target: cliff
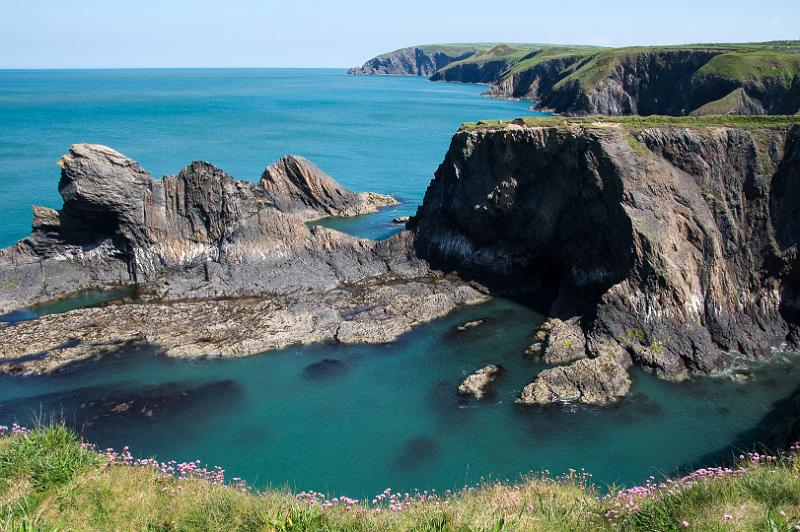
<point>668,242</point>
<point>196,244</point>
<point>416,60</point>
<point>753,78</point>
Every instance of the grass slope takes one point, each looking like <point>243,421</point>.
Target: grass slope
<point>50,481</point>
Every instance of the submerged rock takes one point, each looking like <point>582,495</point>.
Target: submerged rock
<point>470,325</point>
<point>416,452</point>
<point>478,383</point>
<point>596,381</point>
<point>324,368</point>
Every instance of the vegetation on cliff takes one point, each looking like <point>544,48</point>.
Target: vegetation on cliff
<point>748,78</point>
<point>50,480</point>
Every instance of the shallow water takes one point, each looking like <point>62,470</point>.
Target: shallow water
<point>358,419</point>
<point>348,419</point>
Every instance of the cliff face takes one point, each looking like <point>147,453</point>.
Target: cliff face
<point>645,82</point>
<point>742,79</point>
<point>672,246</point>
<point>413,61</point>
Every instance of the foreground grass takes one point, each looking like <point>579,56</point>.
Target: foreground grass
<point>50,481</point>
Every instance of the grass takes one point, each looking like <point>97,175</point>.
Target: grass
<point>754,65</point>
<point>638,122</point>
<point>53,482</point>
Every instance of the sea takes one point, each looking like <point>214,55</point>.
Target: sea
<point>345,420</point>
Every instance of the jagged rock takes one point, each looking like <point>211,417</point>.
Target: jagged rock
<point>470,325</point>
<point>559,342</point>
<point>401,220</point>
<point>675,243</point>
<point>596,381</point>
<point>478,383</point>
<point>200,236</point>
<point>296,186</point>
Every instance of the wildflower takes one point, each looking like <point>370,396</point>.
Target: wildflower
<point>685,524</point>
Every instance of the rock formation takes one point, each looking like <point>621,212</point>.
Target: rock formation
<point>674,242</point>
<point>296,186</point>
<point>414,61</point>
<point>478,383</point>
<point>759,78</point>
<point>202,235</point>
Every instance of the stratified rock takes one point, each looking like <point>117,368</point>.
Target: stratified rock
<point>249,274</point>
<point>559,342</point>
<point>478,383</point>
<point>296,186</point>
<point>596,381</point>
<point>674,242</point>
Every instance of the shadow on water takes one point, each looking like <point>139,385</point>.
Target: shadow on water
<point>98,410</point>
<point>774,432</point>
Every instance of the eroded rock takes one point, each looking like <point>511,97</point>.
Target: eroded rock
<point>477,384</point>
<point>596,381</point>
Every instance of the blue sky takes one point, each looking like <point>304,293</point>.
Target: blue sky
<point>189,33</point>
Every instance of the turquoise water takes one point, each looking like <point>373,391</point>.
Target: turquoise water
<point>348,419</point>
<point>358,419</point>
<point>382,134</point>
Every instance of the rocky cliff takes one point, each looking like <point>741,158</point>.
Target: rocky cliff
<point>201,236</point>
<point>415,60</point>
<point>577,80</point>
<point>671,243</point>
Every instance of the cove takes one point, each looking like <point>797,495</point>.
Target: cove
<point>345,419</point>
<point>357,419</point>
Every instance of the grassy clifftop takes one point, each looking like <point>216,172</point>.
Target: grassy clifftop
<point>744,122</point>
<point>744,78</point>
<point>49,480</point>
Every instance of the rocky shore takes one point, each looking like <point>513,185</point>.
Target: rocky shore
<point>223,267</point>
<point>670,245</point>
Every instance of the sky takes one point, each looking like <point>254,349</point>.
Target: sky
<point>344,33</point>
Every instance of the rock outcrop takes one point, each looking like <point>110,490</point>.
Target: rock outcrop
<point>199,236</point>
<point>559,342</point>
<point>675,242</point>
<point>596,381</point>
<point>296,186</point>
<point>414,61</point>
<point>477,384</point>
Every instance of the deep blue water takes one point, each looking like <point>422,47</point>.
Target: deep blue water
<point>349,419</point>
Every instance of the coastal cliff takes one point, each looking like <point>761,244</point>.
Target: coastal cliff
<point>415,60</point>
<point>222,266</point>
<point>670,243</point>
<point>741,79</point>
